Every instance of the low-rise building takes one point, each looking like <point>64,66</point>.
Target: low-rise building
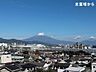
<point>17,58</point>
<point>5,58</point>
<point>75,69</point>
<point>4,44</point>
<point>93,67</point>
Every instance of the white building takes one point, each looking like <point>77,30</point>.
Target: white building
<point>61,70</point>
<point>85,62</point>
<point>93,67</point>
<point>40,45</point>
<point>46,66</point>
<point>4,44</point>
<point>17,58</point>
<point>5,58</point>
<point>75,69</point>
<point>72,69</point>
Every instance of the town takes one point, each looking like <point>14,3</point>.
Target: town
<point>41,58</point>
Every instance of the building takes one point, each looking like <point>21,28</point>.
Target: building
<point>93,67</point>
<point>17,58</point>
<point>4,44</point>
<point>75,69</point>
<point>5,58</point>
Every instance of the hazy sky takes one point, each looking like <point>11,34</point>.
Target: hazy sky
<point>58,18</point>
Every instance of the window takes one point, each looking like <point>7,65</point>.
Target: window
<point>93,66</point>
<point>7,56</point>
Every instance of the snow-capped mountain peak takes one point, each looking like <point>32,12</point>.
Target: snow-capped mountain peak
<point>40,34</point>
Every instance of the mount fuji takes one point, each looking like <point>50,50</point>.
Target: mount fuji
<point>42,38</point>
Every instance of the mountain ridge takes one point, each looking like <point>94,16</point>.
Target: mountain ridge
<point>89,41</point>
<point>43,39</point>
<point>47,39</point>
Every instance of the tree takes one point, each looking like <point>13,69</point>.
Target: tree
<point>37,52</point>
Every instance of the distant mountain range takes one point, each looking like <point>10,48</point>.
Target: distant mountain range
<point>12,41</point>
<point>43,39</point>
<point>89,41</point>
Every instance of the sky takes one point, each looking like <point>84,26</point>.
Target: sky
<point>57,18</point>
